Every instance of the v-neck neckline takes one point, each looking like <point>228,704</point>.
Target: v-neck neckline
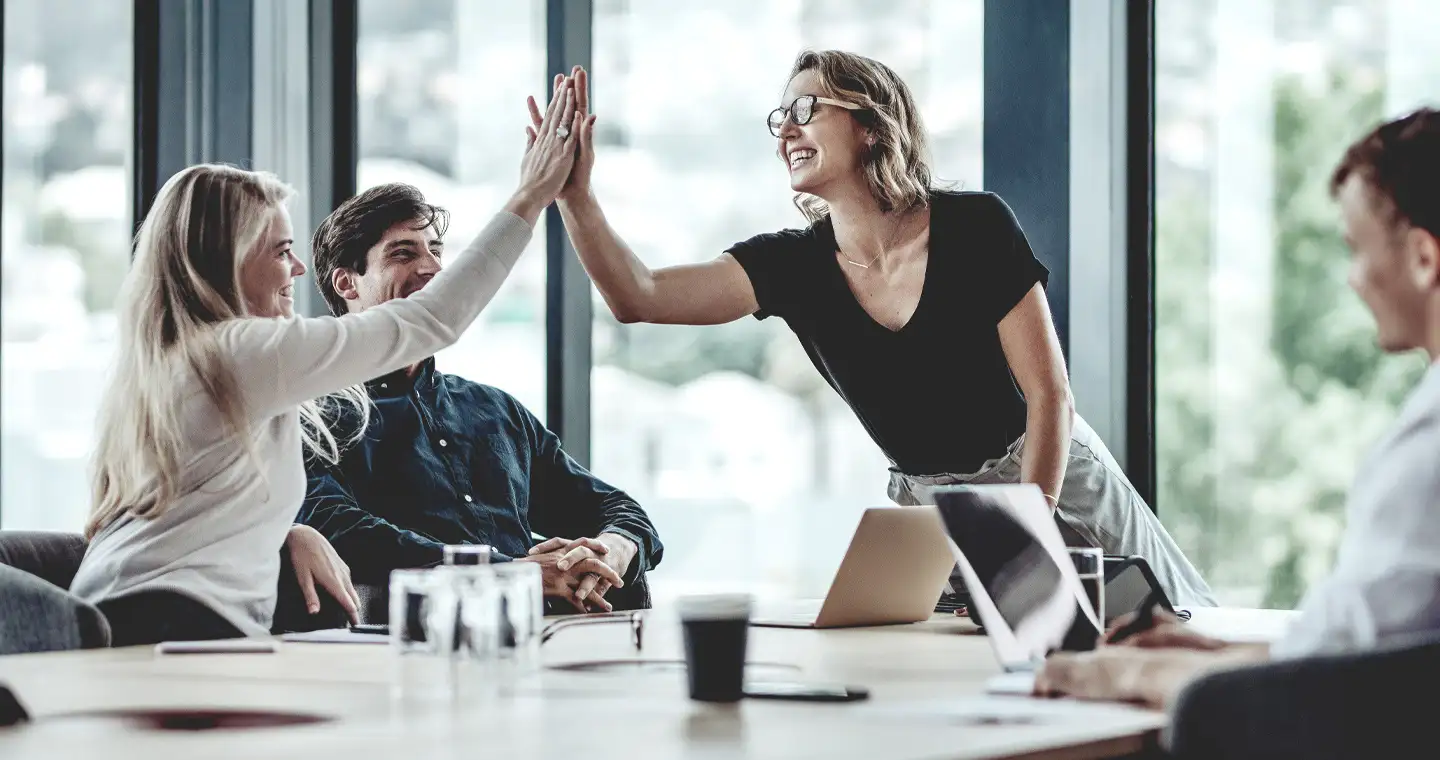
<point>832,250</point>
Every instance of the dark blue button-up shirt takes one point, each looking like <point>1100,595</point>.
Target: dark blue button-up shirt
<point>448,461</point>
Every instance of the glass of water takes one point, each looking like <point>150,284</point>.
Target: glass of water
<point>430,633</point>
<point>1090,566</point>
<point>467,554</point>
<point>521,611</point>
<point>416,597</point>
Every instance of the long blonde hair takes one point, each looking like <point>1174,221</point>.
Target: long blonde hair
<point>897,166</point>
<point>184,280</point>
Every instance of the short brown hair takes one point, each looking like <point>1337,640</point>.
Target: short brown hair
<point>348,234</point>
<point>1400,161</point>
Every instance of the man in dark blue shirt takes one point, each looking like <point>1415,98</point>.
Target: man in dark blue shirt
<point>447,461</point>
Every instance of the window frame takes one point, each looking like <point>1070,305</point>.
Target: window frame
<point>194,85</point>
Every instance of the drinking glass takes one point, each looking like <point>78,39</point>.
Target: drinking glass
<point>1090,566</point>
<point>520,613</point>
<point>467,554</point>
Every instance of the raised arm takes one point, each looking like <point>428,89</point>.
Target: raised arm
<point>709,293</point>
<point>280,363</point>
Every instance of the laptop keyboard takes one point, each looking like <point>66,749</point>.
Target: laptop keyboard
<point>950,602</point>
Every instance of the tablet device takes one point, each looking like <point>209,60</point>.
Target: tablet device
<point>221,646</point>
<point>1128,582</point>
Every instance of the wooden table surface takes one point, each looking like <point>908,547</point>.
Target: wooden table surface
<point>926,683</point>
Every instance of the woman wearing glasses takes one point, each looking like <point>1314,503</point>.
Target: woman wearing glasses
<point>928,350</point>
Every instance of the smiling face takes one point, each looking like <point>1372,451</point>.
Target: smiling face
<point>403,262</point>
<point>267,275</point>
<point>825,152</point>
<point>1395,268</point>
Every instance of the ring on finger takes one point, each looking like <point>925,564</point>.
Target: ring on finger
<point>562,132</point>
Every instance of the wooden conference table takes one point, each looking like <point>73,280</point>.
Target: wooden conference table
<point>926,683</point>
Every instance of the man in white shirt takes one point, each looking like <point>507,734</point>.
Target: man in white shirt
<point>1386,581</point>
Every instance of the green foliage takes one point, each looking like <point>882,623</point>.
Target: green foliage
<point>1263,507</point>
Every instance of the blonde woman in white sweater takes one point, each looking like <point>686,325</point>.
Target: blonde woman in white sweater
<point>199,469</point>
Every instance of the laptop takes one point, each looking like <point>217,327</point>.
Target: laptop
<point>893,572</point>
<point>1023,588</point>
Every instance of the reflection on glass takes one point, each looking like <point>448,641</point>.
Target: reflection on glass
<point>65,248</point>
<point>753,469</point>
<point>1268,382</point>
<point>442,88</point>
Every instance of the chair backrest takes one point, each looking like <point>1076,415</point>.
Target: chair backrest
<point>54,557</point>
<point>1336,706</point>
<point>38,616</point>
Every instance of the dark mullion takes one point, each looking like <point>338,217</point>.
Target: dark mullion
<point>1027,131</point>
<point>334,103</point>
<point>1140,247</point>
<point>568,29</point>
<point>193,89</point>
<point>145,179</point>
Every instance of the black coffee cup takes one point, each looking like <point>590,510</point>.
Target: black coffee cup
<point>717,630</point>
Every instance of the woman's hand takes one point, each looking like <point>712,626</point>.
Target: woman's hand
<point>549,154</point>
<point>315,560</point>
<point>578,185</point>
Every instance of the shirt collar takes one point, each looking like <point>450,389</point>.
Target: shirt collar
<point>399,383</point>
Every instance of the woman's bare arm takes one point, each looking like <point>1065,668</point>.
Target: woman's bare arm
<point>1033,351</point>
<point>709,293</point>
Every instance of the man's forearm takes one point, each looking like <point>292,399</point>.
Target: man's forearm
<point>622,545</point>
<point>371,545</point>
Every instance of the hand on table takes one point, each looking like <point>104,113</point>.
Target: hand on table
<point>1152,677</point>
<point>315,560</point>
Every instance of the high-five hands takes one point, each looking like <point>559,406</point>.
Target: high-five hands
<point>578,184</point>
<point>549,153</point>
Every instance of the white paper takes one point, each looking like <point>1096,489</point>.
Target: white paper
<point>337,636</point>
<point>1238,625</point>
<point>1001,710</point>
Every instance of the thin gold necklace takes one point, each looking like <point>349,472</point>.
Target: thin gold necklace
<point>894,233</point>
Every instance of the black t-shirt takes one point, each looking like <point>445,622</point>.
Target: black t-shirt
<point>936,395</point>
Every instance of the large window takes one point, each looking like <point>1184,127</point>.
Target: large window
<point>1270,387</point>
<point>752,468</point>
<point>442,87</point>
<point>66,224</point>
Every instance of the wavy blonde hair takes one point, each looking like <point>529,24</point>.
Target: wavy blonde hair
<point>183,282</point>
<point>897,166</point>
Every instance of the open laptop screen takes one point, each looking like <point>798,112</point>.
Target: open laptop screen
<point>1022,586</point>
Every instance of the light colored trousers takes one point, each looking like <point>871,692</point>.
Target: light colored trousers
<point>1098,507</point>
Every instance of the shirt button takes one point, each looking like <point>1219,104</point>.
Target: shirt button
<point>467,497</point>
<point>384,385</point>
<point>443,444</point>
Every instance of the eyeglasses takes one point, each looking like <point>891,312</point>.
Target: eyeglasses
<point>802,110</point>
